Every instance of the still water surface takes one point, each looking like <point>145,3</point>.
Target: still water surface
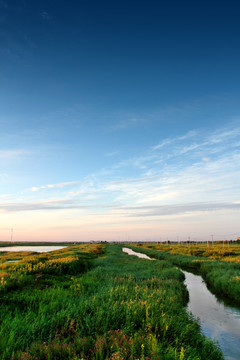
<point>218,321</point>
<point>131,252</point>
<point>39,249</point>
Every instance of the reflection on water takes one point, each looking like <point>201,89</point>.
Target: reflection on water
<point>131,252</point>
<point>218,321</point>
<point>39,249</point>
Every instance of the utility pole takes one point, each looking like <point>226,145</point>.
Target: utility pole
<point>11,234</point>
<point>212,240</point>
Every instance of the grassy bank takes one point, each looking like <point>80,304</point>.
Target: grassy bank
<point>81,303</point>
<point>220,267</point>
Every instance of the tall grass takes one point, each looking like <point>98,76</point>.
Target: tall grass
<point>222,276</point>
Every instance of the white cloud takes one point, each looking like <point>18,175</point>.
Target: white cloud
<point>127,123</point>
<point>176,209</point>
<point>112,153</point>
<point>196,176</point>
<point>206,159</point>
<point>182,179</point>
<point>169,141</point>
<point>53,186</point>
<point>9,154</point>
<point>223,135</point>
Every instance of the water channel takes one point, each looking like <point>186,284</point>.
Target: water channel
<point>131,252</point>
<point>218,321</point>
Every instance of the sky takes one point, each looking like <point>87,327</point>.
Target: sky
<point>119,120</point>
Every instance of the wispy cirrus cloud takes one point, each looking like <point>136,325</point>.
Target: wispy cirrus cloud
<point>50,205</point>
<point>127,123</point>
<point>40,205</point>
<point>54,186</point>
<point>187,178</point>
<point>197,139</point>
<point>169,141</point>
<point>112,153</point>
<point>223,135</point>
<point>118,210</point>
<point>201,146</point>
<point>186,169</point>
<point>176,209</point>
<point>12,153</point>
<point>192,165</point>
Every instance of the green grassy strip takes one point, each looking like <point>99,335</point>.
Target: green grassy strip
<point>222,277</point>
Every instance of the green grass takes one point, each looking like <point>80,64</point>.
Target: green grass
<point>116,307</point>
<point>220,275</point>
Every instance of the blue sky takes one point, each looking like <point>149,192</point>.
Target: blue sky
<point>119,120</point>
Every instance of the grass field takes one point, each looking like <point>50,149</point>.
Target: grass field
<point>95,302</point>
<point>219,265</point>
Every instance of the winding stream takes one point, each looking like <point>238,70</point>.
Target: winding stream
<point>131,252</point>
<point>218,321</point>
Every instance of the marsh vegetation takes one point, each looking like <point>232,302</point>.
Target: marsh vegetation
<point>95,302</point>
<point>218,264</point>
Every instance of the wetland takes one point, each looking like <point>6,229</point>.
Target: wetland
<point>93,301</point>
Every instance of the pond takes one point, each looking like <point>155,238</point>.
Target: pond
<point>39,249</point>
